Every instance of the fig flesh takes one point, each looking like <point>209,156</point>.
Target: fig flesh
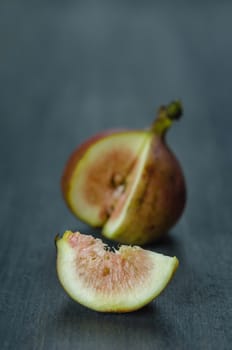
<point>120,281</point>
<point>96,171</point>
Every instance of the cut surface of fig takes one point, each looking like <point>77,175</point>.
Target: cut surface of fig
<point>114,225</point>
<point>99,178</point>
<point>111,281</point>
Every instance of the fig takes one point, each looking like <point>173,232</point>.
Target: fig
<point>128,182</point>
<point>123,280</point>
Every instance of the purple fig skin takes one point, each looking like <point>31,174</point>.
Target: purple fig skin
<point>166,176</point>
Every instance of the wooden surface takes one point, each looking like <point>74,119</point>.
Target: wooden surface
<point>68,70</point>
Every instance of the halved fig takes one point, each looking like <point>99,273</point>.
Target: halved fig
<point>123,280</point>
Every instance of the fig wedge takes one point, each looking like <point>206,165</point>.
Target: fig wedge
<point>121,281</point>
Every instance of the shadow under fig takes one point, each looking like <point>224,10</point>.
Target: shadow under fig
<point>146,324</point>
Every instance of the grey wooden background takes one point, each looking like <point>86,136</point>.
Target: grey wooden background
<point>67,70</point>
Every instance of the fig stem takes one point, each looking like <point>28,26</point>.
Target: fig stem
<point>165,116</point>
